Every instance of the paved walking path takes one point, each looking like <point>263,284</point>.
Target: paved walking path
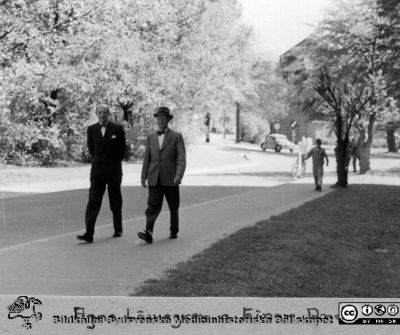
<point>39,253</point>
<point>58,264</point>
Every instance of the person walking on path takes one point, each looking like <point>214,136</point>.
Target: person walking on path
<point>106,144</point>
<point>354,153</point>
<point>318,155</point>
<point>163,168</point>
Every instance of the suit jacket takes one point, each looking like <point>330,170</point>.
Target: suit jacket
<point>107,152</point>
<point>168,162</point>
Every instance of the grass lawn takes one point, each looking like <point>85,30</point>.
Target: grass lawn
<point>344,244</point>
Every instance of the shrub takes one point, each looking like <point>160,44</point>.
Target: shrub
<point>253,129</point>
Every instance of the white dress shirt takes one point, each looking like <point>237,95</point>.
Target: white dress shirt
<point>161,138</point>
<point>103,129</point>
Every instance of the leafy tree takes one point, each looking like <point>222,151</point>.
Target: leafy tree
<point>31,32</point>
<point>390,30</point>
<point>350,78</point>
<point>266,104</point>
<point>343,103</point>
<point>351,44</point>
<point>62,57</point>
<point>348,56</point>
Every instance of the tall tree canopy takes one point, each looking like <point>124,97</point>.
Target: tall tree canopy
<point>351,55</point>
<point>59,58</point>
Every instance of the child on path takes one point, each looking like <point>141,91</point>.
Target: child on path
<point>318,154</point>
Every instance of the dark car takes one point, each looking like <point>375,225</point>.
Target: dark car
<point>277,142</point>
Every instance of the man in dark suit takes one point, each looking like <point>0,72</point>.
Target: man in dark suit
<point>163,167</point>
<point>106,143</point>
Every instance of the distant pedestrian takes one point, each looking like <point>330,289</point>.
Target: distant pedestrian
<point>318,155</point>
<point>106,144</point>
<point>349,153</point>
<point>354,153</point>
<point>163,167</point>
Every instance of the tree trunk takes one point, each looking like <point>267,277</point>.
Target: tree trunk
<point>391,140</point>
<point>341,166</point>
<point>364,144</point>
<point>340,153</point>
<point>127,114</point>
<point>224,123</point>
<point>237,122</point>
<point>364,152</point>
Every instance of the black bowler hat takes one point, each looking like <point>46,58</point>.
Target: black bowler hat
<point>164,111</point>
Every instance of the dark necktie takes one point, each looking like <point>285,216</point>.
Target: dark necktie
<point>160,132</point>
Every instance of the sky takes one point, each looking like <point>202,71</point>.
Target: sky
<point>280,24</point>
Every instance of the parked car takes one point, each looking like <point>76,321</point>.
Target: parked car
<point>277,142</point>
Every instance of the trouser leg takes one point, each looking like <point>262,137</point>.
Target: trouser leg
<point>115,198</point>
<point>96,192</point>
<point>315,174</point>
<point>173,199</point>
<point>320,174</point>
<point>355,163</point>
<point>154,205</point>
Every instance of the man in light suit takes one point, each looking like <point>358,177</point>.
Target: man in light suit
<point>163,167</point>
<point>106,144</point>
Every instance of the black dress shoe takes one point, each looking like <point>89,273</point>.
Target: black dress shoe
<point>145,236</point>
<point>117,234</point>
<point>86,238</point>
<point>173,236</point>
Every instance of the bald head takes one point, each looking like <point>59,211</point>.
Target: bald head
<point>102,107</point>
<point>102,112</point>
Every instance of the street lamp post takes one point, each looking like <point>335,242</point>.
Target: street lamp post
<point>224,125</point>
<point>207,124</point>
<point>237,122</point>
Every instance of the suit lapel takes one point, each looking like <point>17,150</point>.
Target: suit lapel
<point>167,138</point>
<point>108,132</point>
<point>154,141</point>
<point>97,131</point>
<point>98,137</point>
